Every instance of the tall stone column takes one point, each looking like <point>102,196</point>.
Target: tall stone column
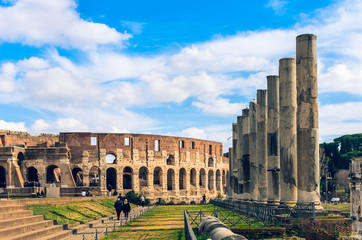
<point>288,131</point>
<point>245,161</point>
<point>254,165</point>
<point>261,143</point>
<point>233,175</point>
<point>307,120</point>
<point>273,141</point>
<point>239,156</point>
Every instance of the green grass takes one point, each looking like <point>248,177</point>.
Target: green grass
<point>162,222</point>
<point>75,213</point>
<point>341,207</point>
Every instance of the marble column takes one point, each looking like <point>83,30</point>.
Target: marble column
<point>273,141</point>
<point>307,119</point>
<point>239,156</point>
<point>288,131</point>
<point>245,159</point>
<point>261,144</point>
<point>254,165</point>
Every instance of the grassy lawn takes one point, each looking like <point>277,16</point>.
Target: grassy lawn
<point>76,212</point>
<point>162,222</point>
<point>342,207</point>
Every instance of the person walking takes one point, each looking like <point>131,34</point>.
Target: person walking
<point>126,208</point>
<point>142,198</point>
<point>118,205</point>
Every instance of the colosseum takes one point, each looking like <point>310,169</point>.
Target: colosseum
<point>159,167</point>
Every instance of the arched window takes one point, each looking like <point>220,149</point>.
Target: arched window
<point>211,180</point>
<point>218,180</point>
<point>78,176</point>
<point>170,160</point>
<point>53,174</point>
<point>33,174</point>
<point>170,179</point>
<point>143,177</point>
<point>193,177</point>
<point>110,158</point>
<point>111,178</point>
<point>127,178</point>
<point>210,162</point>
<point>182,178</point>
<point>20,159</point>
<point>202,178</point>
<point>94,174</point>
<point>157,176</point>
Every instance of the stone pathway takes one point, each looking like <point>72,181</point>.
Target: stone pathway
<point>98,228</point>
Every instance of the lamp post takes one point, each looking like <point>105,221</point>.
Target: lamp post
<point>328,176</point>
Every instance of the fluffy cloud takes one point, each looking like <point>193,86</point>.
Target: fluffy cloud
<point>13,126</point>
<point>56,22</point>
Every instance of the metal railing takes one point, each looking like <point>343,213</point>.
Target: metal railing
<point>271,216</point>
<point>189,233</point>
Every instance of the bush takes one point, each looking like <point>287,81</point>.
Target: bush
<point>134,198</point>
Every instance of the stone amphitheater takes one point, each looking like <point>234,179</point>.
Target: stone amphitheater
<point>160,167</point>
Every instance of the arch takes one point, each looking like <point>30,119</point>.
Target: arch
<point>33,174</point>
<point>202,178</point>
<point>78,176</point>
<point>94,176</point>
<point>211,180</point>
<point>111,178</point>
<point>170,179</point>
<point>143,176</point>
<point>20,158</point>
<point>193,177</point>
<point>210,162</point>
<point>182,179</point>
<point>157,176</point>
<point>170,160</point>
<point>218,180</point>
<point>127,178</point>
<point>53,174</point>
<point>110,158</point>
<point>2,177</point>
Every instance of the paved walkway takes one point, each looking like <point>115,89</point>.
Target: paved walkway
<point>98,228</point>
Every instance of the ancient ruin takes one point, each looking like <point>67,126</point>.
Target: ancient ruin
<point>171,168</point>
<point>274,157</point>
<point>355,175</point>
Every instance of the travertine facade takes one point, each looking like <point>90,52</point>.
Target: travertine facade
<point>282,130</point>
<point>355,174</point>
<point>172,168</point>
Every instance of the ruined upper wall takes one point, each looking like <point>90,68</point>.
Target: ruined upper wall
<point>143,143</point>
<point>16,138</point>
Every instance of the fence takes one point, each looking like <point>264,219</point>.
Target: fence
<point>269,215</point>
<point>189,233</point>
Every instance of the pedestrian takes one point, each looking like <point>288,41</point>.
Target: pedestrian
<point>204,199</point>
<point>109,188</point>
<point>126,208</point>
<point>120,196</point>
<point>142,198</point>
<point>118,205</point>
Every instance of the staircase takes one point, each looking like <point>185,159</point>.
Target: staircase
<point>20,224</point>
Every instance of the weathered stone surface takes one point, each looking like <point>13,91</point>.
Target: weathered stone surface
<point>273,140</point>
<point>261,144</point>
<point>307,119</point>
<point>254,165</point>
<point>288,131</point>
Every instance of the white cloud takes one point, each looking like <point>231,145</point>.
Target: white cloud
<point>193,133</point>
<point>7,78</point>
<point>56,22</point>
<point>134,27</point>
<point>13,126</point>
<point>278,6</point>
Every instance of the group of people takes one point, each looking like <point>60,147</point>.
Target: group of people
<point>86,193</point>
<point>120,205</point>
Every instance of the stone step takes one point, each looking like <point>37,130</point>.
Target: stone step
<point>11,208</point>
<point>57,236</point>
<point>16,230</point>
<point>17,214</point>
<point>20,221</point>
<point>7,202</point>
<point>40,233</point>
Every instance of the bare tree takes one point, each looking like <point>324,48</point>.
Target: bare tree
<point>341,178</point>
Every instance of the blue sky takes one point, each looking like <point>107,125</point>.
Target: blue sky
<point>184,68</point>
